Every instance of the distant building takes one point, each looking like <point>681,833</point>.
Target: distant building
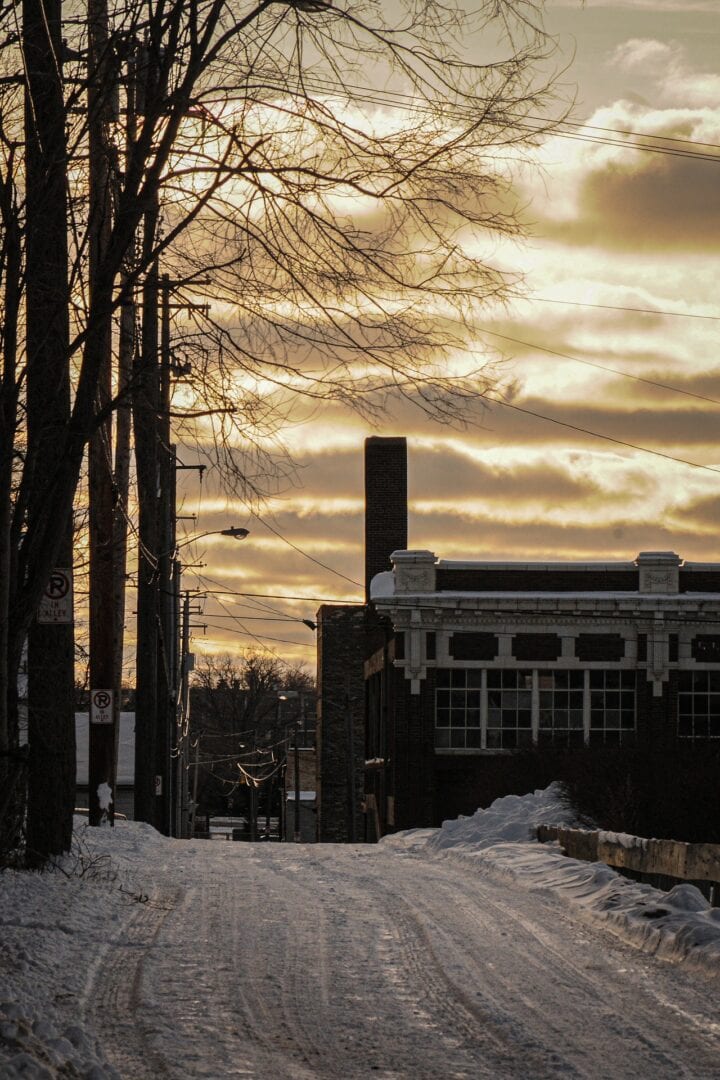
<point>466,663</point>
<point>303,803</point>
<point>125,781</point>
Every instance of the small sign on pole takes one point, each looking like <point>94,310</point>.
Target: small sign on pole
<point>56,605</point>
<point>101,706</point>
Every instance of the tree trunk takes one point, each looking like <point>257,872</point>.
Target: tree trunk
<point>11,272</point>
<point>51,781</point>
<point>103,736</point>
<point>146,402</point>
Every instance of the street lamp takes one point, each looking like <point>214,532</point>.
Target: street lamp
<point>183,664</point>
<point>235,531</point>
<point>285,695</point>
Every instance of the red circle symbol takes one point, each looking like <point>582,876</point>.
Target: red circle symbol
<point>58,586</point>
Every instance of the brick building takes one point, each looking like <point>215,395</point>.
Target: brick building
<point>467,664</point>
<point>342,635</point>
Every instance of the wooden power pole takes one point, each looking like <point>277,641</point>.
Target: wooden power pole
<point>102,86</point>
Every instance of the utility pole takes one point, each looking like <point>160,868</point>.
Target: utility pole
<point>103,699</point>
<point>146,395</point>
<point>195,785</point>
<point>296,830</point>
<point>51,721</point>
<point>123,417</point>
<point>146,410</point>
<point>351,785</point>
<point>167,624</point>
<point>186,664</point>
<point>168,574</point>
<point>253,797</point>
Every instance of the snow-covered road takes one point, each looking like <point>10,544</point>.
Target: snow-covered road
<point>277,961</point>
<point>466,951</point>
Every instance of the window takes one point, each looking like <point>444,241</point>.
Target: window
<point>699,705</point>
<point>706,648</point>
<point>509,709</point>
<point>457,709</point>
<point>561,706</point>
<point>612,706</point>
<point>642,648</point>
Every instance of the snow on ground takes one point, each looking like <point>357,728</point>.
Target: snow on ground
<point>56,928</point>
<point>679,925</point>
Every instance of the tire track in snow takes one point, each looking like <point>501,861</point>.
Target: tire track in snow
<point>594,1007</point>
<point>112,1000</point>
<point>340,963</point>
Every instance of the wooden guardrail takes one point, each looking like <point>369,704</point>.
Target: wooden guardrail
<point>671,858</point>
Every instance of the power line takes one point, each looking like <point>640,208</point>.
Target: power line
<point>408,103</point>
<point>620,307</point>
<point>601,367</point>
<point>249,633</point>
<point>607,438</point>
<point>300,551</point>
<point>244,631</point>
<point>282,596</point>
<point>260,618</point>
<point>635,134</point>
<point>667,151</point>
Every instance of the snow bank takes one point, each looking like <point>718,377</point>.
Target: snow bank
<point>679,925</point>
<point>512,818</point>
<point>54,928</point>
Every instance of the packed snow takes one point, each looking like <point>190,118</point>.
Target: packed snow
<point>61,930</point>
<point>680,925</point>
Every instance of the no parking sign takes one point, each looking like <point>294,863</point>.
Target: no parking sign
<point>56,605</point>
<point>101,707</point>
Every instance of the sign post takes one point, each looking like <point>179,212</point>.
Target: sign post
<point>101,707</point>
<point>56,605</point>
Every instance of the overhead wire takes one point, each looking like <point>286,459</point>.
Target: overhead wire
<point>305,554</point>
<point>266,637</point>
<point>601,367</point>
<point>409,103</point>
<point>607,438</point>
<point>249,633</point>
<point>285,596</point>
<point>620,307</point>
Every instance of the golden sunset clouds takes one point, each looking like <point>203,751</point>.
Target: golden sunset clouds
<point>611,350</point>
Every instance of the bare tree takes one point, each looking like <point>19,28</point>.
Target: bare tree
<point>239,720</point>
<point>341,230</point>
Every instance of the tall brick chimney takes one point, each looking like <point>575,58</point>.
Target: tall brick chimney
<point>386,508</point>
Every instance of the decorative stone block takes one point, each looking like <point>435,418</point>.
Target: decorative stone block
<point>659,571</point>
<point>414,571</point>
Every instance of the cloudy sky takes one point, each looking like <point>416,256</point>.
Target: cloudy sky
<point>608,441</point>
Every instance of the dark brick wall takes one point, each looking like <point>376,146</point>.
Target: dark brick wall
<point>536,646</point>
<point>385,503</point>
<point>341,722</point>
<point>478,645</point>
<point>537,580</point>
<point>699,580</point>
<point>479,580</point>
<point>607,647</point>
<point>411,753</point>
